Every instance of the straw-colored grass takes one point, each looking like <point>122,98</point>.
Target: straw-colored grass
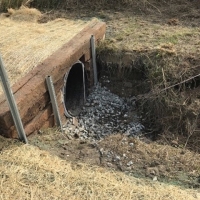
<point>24,14</point>
<point>26,43</point>
<point>27,172</point>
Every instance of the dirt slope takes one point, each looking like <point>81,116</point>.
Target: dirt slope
<point>30,173</point>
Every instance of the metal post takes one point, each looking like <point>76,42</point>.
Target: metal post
<point>84,92</point>
<point>11,101</point>
<point>94,64</point>
<point>54,101</point>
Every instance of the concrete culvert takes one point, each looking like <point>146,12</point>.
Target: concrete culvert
<point>74,90</point>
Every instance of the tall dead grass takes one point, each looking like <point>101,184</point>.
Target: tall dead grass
<point>60,4</point>
<point>172,105</point>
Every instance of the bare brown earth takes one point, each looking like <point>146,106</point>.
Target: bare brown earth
<point>137,157</point>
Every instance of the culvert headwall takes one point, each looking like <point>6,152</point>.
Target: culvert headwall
<point>31,93</point>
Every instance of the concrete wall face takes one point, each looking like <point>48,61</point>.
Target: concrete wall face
<point>31,92</point>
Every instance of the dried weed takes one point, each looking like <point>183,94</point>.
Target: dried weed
<point>29,173</point>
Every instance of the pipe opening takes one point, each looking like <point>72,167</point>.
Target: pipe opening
<point>74,91</point>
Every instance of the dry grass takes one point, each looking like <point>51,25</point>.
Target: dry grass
<point>29,173</point>
<point>173,160</point>
<point>24,14</point>
<point>26,43</point>
<point>127,32</point>
<point>4,4</point>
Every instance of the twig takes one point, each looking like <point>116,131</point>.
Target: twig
<point>164,79</point>
<point>27,2</point>
<point>154,7</point>
<point>180,83</point>
<point>157,92</point>
<point>191,131</point>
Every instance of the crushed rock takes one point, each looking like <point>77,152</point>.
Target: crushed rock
<point>103,114</point>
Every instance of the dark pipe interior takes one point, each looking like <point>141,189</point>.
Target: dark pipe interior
<point>74,90</point>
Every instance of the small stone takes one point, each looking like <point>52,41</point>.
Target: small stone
<point>109,164</point>
<point>152,171</point>
<point>108,155</point>
<point>40,132</point>
<point>98,132</point>
<point>131,144</point>
<point>87,104</point>
<point>101,151</point>
<point>63,142</point>
<point>155,178</point>
<point>117,158</point>
<point>81,129</point>
<point>75,121</point>
<point>71,127</point>
<point>76,130</point>
<point>129,163</point>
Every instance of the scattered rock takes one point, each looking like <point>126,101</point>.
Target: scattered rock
<point>75,121</point>
<point>129,163</point>
<point>152,171</point>
<point>101,151</point>
<point>104,113</point>
<point>118,158</point>
<point>63,142</point>
<point>109,164</point>
<point>131,144</point>
<point>155,178</point>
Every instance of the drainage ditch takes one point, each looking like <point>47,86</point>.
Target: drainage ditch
<point>106,111</point>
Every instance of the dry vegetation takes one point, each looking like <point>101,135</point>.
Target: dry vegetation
<point>29,173</point>
<point>46,4</point>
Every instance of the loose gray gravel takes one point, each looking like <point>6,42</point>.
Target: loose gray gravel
<point>105,113</point>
